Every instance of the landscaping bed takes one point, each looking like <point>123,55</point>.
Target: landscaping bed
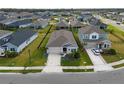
<point>78,70</point>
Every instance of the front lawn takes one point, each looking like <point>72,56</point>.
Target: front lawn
<point>78,70</point>
<point>37,57</point>
<point>84,59</point>
<point>117,38</point>
<point>20,71</point>
<point>118,66</point>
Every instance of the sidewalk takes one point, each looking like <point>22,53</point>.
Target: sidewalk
<point>98,61</point>
<point>117,63</point>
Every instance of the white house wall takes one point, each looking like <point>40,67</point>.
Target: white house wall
<point>96,34</point>
<point>9,46</point>
<point>58,50</point>
<point>70,48</point>
<point>1,51</point>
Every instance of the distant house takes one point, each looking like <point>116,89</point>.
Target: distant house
<point>21,23</point>
<point>3,33</point>
<point>62,25</point>
<point>93,37</point>
<point>84,17</point>
<point>2,17</point>
<point>75,24</point>
<point>18,40</point>
<point>61,42</point>
<point>39,24</point>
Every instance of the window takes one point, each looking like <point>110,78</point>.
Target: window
<point>12,49</point>
<point>73,50</point>
<point>94,36</point>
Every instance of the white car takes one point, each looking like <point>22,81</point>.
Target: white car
<point>96,51</point>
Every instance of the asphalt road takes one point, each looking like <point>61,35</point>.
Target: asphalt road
<point>64,78</point>
<point>112,22</point>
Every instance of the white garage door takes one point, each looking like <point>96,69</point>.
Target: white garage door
<point>54,50</point>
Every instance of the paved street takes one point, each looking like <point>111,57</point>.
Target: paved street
<point>53,63</point>
<point>64,78</point>
<point>98,61</point>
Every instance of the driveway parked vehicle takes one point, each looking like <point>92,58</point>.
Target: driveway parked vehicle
<point>96,51</point>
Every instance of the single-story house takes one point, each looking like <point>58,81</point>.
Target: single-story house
<point>62,25</point>
<point>39,24</point>
<point>75,24</point>
<point>18,40</point>
<point>93,37</point>
<point>61,42</point>
<point>21,23</point>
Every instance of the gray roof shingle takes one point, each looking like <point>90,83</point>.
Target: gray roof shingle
<point>20,36</point>
<point>61,38</point>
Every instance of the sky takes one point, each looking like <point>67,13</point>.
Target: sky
<point>61,4</point>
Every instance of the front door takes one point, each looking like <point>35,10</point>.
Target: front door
<point>100,46</point>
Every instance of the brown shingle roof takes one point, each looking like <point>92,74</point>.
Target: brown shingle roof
<point>90,29</point>
<point>60,38</point>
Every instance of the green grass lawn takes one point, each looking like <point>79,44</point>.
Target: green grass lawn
<point>20,71</point>
<point>117,39</point>
<point>83,55</point>
<point>38,56</point>
<point>78,70</point>
<point>118,66</point>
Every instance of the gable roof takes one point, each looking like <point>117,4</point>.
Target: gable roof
<point>61,38</point>
<point>20,36</point>
<point>21,22</point>
<point>62,24</point>
<point>90,29</point>
<point>75,24</point>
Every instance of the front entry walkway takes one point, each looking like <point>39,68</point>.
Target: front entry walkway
<point>53,63</point>
<point>99,62</point>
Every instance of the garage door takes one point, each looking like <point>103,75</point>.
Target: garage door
<point>54,50</point>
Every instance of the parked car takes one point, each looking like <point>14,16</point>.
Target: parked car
<point>96,51</point>
<point>118,23</point>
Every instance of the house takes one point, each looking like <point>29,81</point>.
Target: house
<point>21,23</point>
<point>93,37</point>
<point>85,17</point>
<point>18,40</point>
<point>61,42</point>
<point>62,25</point>
<point>3,33</point>
<point>39,24</point>
<point>2,17</point>
<point>75,24</point>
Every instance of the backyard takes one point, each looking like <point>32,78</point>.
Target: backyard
<point>37,56</point>
<point>116,36</point>
<point>84,59</point>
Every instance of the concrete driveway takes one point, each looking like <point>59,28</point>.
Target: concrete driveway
<point>98,61</point>
<point>53,63</point>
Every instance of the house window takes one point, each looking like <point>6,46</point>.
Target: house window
<point>94,36</point>
<point>73,50</point>
<point>12,49</point>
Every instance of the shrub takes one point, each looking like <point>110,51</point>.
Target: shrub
<point>109,51</point>
<point>112,52</point>
<point>11,54</point>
